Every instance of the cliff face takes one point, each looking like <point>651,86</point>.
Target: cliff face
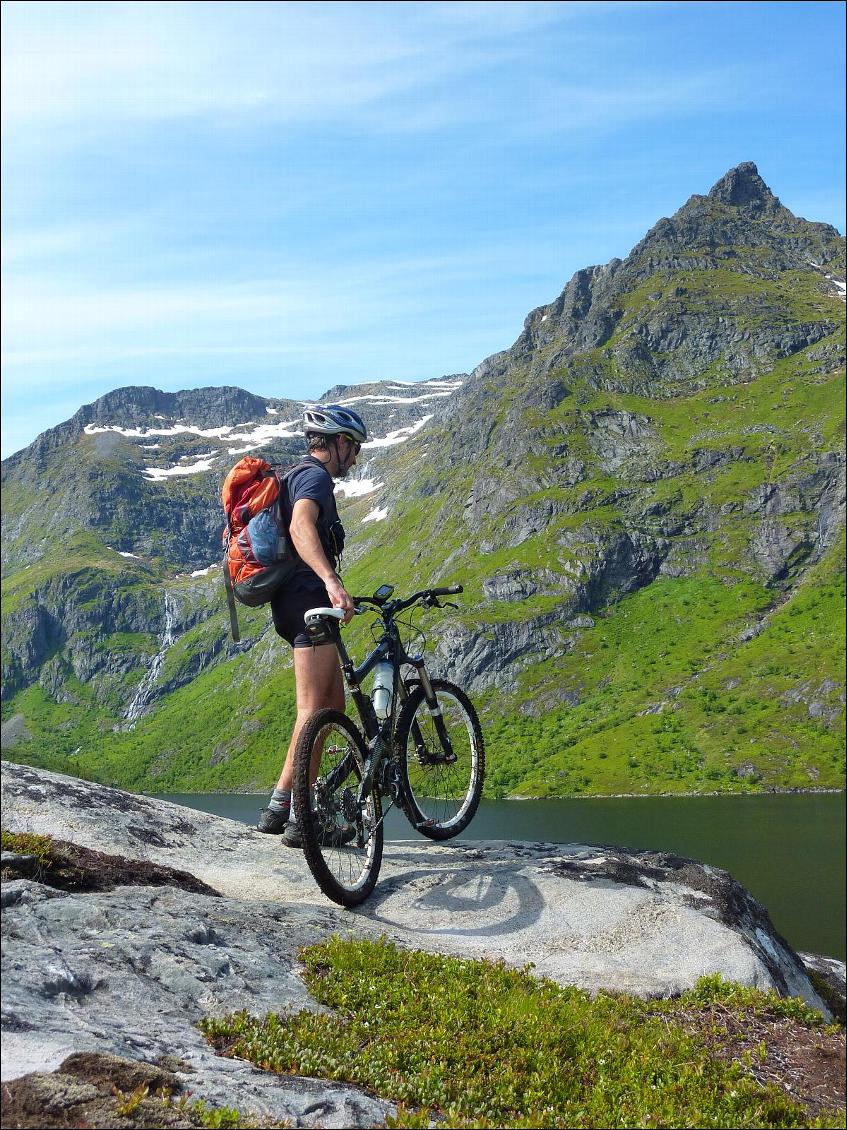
<point>644,498</point>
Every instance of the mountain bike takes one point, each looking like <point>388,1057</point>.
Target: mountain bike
<point>420,747</point>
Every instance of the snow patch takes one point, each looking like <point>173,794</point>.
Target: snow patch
<point>123,554</point>
<point>400,436</point>
<point>380,398</point>
<point>159,474</point>
<point>246,437</point>
<point>203,572</point>
<point>356,488</point>
<point>839,284</point>
<point>377,515</point>
<point>259,433</point>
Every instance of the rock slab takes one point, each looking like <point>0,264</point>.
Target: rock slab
<point>129,972</point>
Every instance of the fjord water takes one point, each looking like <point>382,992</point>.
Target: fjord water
<point>788,850</point>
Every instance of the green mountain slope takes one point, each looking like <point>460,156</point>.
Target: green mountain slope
<point>644,498</point>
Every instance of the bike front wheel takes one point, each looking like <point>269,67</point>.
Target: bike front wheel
<point>342,836</point>
<point>442,781</point>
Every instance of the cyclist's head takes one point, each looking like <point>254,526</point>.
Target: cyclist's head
<point>326,426</point>
<point>334,420</point>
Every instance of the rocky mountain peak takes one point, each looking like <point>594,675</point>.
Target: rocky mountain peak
<point>143,406</point>
<point>739,222</point>
<point>742,186</point>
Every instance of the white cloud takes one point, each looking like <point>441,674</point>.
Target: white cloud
<point>61,311</point>
<point>156,61</point>
<point>127,62</point>
<point>23,247</point>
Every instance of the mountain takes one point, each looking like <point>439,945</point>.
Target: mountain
<point>643,496</point>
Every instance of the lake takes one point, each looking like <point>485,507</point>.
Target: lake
<point>788,850</point>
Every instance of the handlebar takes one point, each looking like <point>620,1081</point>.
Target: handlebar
<point>426,596</point>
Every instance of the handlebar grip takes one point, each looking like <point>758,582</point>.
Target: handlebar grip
<point>448,590</point>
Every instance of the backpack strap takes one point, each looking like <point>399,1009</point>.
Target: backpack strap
<point>230,597</point>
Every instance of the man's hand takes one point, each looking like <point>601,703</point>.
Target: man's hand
<point>340,597</point>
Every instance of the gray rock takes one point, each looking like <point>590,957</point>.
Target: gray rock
<point>130,973</point>
<point>833,972</point>
<point>776,546</point>
<point>496,655</point>
<point>13,730</point>
<point>598,917</point>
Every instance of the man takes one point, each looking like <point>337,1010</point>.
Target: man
<point>335,436</point>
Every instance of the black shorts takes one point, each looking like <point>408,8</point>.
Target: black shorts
<point>289,608</point>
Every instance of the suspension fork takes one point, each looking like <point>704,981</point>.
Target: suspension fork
<point>437,719</point>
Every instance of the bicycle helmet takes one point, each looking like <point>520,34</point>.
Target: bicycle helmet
<point>333,420</point>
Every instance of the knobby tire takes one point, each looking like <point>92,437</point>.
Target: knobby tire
<point>346,873</point>
<point>440,799</point>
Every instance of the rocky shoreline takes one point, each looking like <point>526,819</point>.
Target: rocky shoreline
<point>185,915</point>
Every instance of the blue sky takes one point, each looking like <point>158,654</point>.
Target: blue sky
<point>288,196</point>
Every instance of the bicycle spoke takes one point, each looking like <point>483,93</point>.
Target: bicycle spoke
<point>342,837</point>
<point>443,779</point>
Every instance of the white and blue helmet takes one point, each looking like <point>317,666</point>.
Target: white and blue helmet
<point>333,420</point>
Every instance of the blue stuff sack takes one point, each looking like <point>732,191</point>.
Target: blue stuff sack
<point>262,540</point>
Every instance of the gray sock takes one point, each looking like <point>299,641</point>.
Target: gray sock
<point>280,801</point>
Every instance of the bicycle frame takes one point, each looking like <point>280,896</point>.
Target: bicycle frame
<point>380,734</point>
<point>349,773</point>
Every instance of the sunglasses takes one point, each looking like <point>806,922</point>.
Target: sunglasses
<point>357,447</point>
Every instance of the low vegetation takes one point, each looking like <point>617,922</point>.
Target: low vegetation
<point>475,1044</point>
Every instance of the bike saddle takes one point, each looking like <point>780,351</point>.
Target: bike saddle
<point>319,623</point>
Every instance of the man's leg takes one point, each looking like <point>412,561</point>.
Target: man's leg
<point>319,683</point>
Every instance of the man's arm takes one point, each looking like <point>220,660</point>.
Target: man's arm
<point>303,531</point>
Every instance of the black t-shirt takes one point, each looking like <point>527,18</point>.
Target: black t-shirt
<point>310,479</point>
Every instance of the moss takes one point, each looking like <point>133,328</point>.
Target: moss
<point>29,843</point>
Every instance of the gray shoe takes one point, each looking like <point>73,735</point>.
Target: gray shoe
<point>336,835</point>
<point>291,836</point>
<point>273,820</point>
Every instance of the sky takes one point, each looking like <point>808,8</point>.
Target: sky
<point>289,196</point>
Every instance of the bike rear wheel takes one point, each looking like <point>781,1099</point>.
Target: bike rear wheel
<point>342,839</point>
<point>442,788</point>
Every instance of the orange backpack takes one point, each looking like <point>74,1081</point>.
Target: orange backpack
<point>258,555</point>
